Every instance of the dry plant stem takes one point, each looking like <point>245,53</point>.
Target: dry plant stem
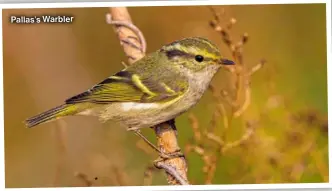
<point>195,126</point>
<point>127,34</point>
<point>249,132</point>
<point>246,103</point>
<point>247,89</point>
<point>176,168</point>
<point>224,114</point>
<point>242,84</point>
<point>171,170</point>
<point>242,78</point>
<point>211,164</point>
<point>211,168</point>
<point>167,142</point>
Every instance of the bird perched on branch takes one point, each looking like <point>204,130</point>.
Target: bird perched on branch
<point>155,89</point>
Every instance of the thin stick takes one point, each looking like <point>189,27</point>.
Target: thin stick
<point>131,27</point>
<point>127,33</point>
<point>246,103</point>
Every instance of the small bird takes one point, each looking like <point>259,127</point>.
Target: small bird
<point>155,89</point>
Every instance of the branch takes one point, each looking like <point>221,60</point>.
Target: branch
<point>251,126</point>
<point>173,172</point>
<point>195,126</point>
<point>131,39</point>
<point>134,46</point>
<point>247,95</point>
<point>242,76</point>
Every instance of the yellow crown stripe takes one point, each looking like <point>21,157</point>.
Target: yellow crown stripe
<point>195,51</point>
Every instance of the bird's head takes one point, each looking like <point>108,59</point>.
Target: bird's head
<point>195,54</point>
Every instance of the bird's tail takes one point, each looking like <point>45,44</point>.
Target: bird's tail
<point>52,114</point>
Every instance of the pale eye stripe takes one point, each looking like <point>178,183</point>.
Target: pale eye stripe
<point>209,55</point>
<point>141,86</point>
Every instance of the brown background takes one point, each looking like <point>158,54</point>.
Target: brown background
<point>47,63</point>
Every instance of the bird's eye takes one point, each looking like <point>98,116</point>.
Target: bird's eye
<point>199,58</point>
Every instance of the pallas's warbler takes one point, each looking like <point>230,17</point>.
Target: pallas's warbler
<point>155,89</point>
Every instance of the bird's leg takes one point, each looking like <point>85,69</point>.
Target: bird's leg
<point>162,154</point>
<point>138,133</point>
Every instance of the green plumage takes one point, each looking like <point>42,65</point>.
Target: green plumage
<point>156,88</point>
<point>52,114</point>
<point>124,86</point>
<point>140,82</point>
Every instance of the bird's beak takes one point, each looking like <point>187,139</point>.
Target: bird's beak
<point>226,62</point>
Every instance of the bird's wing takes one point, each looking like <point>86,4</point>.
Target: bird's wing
<point>125,86</point>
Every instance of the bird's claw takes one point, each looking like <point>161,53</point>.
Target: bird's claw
<point>166,156</point>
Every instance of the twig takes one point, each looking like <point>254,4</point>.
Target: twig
<point>225,96</point>
<point>242,78</point>
<point>211,166</point>
<point>214,138</point>
<point>132,27</point>
<point>167,141</point>
<point>129,35</point>
<point>224,114</point>
<point>246,103</point>
<point>247,89</point>
<point>249,132</point>
<point>256,68</point>
<point>173,172</point>
<point>165,132</point>
<point>195,126</point>
<point>226,146</point>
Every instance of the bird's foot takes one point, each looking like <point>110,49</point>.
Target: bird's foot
<point>163,155</point>
<point>172,155</point>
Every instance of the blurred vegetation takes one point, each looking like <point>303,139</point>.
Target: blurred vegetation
<point>46,63</point>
